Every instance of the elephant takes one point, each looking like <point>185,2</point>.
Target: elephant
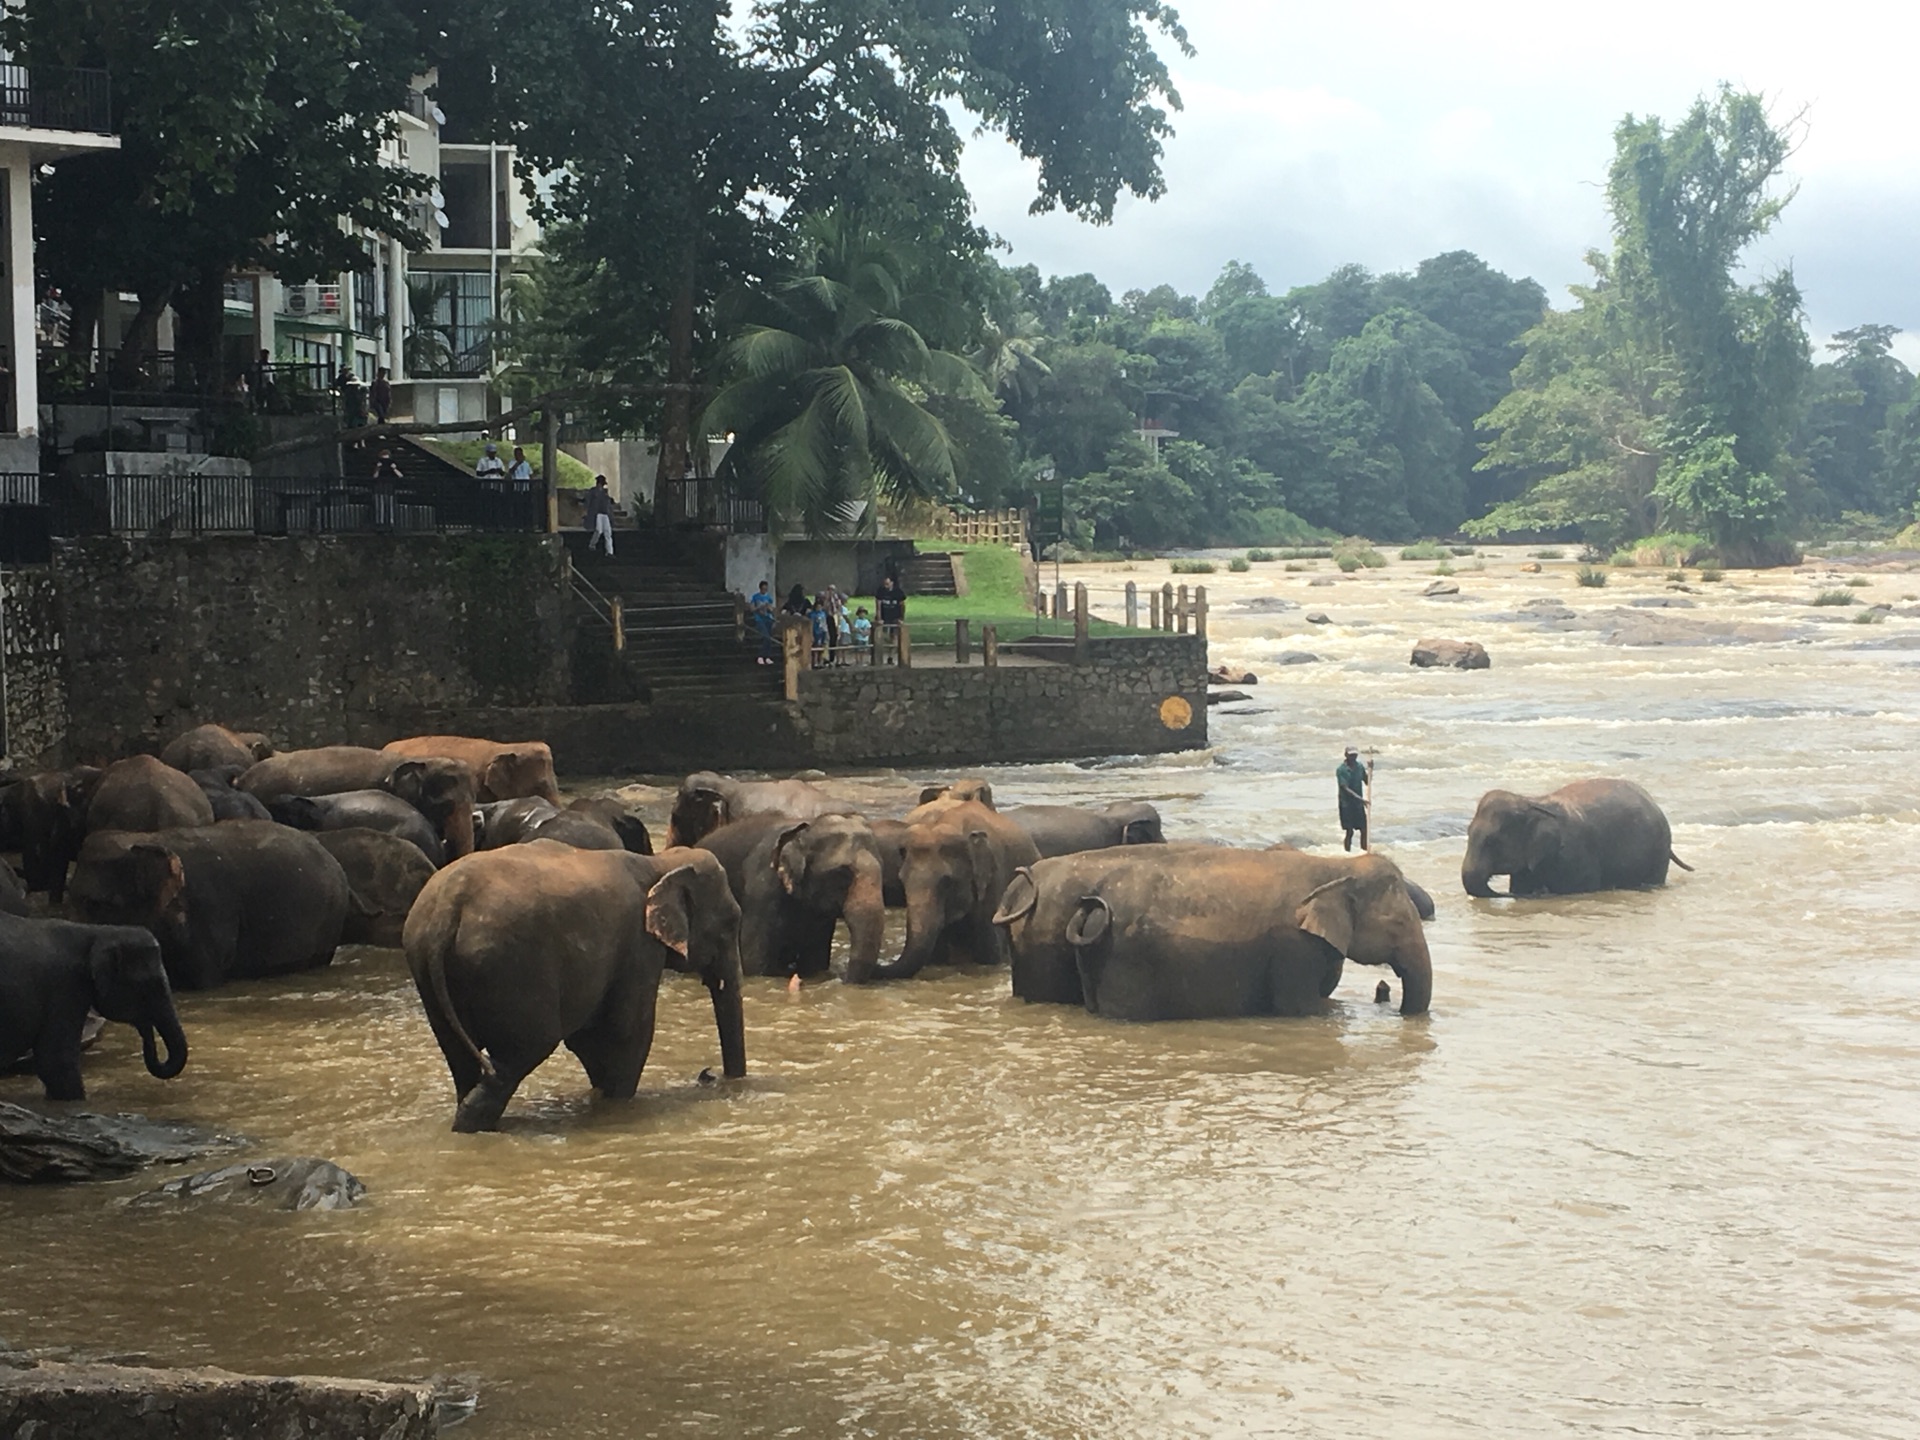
<point>956,867</point>
<point>972,788</point>
<point>1590,835</point>
<point>440,789</point>
<point>1034,911</point>
<point>139,793</point>
<point>50,811</point>
<point>52,972</point>
<point>1198,932</point>
<point>794,880</point>
<point>361,809</point>
<point>625,822</point>
<point>385,875</point>
<point>517,951</point>
<point>706,801</point>
<point>234,901</point>
<point>1422,901</point>
<point>891,837</point>
<point>13,891</point>
<point>209,747</point>
<point>1069,829</point>
<point>499,823</point>
<point>227,802</point>
<point>499,771</point>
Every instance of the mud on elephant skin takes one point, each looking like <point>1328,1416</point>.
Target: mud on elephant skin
<point>707,800</point>
<point>795,880</point>
<point>517,951</point>
<point>957,865</point>
<point>234,901</point>
<point>52,972</point>
<point>385,875</point>
<point>440,789</point>
<point>1197,933</point>
<point>500,771</point>
<point>1591,835</point>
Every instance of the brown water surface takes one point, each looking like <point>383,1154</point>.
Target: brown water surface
<point>1652,1165</point>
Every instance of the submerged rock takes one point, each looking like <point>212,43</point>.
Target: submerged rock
<point>1226,697</point>
<point>54,1400</point>
<point>1268,605</point>
<point>1442,587</point>
<point>1662,602</point>
<point>52,1149</point>
<point>1318,617</point>
<point>1221,675</point>
<point>1296,657</point>
<point>304,1182</point>
<point>1323,580</point>
<point>1458,654</point>
<point>1532,567</point>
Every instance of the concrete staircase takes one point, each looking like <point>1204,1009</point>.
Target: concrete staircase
<point>680,627</point>
<point>930,573</point>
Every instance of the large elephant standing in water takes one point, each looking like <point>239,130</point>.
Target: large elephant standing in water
<point>1590,835</point>
<point>957,865</point>
<point>795,880</point>
<point>517,951</point>
<point>1191,933</point>
<point>707,800</point>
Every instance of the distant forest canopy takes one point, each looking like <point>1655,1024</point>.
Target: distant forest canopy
<point>1670,397</point>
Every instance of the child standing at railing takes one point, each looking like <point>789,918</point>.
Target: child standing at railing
<point>863,634</point>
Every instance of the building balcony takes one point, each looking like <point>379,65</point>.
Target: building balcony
<point>43,99</point>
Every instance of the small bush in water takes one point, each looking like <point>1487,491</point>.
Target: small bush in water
<point>1238,563</point>
<point>1443,568</point>
<point>1834,597</point>
<point>1297,565</point>
<point>1463,550</point>
<point>1425,550</point>
<point>1259,555</point>
<point>1192,567</point>
<point>1712,574</point>
<point>1358,549</point>
<point>1869,617</point>
<point>1858,582</point>
<point>1591,576</point>
<point>1547,554</point>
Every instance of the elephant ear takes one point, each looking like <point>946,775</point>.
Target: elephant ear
<point>1328,913</point>
<point>931,793</point>
<point>669,910</point>
<point>1022,895</point>
<point>157,872</point>
<point>407,780</point>
<point>986,867</point>
<point>791,869</point>
<point>1089,922</point>
<point>1543,834</point>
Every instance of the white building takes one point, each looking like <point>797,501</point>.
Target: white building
<point>45,116</point>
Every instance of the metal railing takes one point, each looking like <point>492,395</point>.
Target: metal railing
<point>43,99</point>
<point>708,502</point>
<point>107,377</point>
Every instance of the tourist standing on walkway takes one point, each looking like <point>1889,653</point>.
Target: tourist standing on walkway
<point>822,631</point>
<point>760,615</point>
<point>1353,779</point>
<point>520,472</point>
<point>892,605</point>
<point>386,475</point>
<point>380,396</point>
<point>599,513</point>
<point>797,602</point>
<point>862,635</point>
<point>490,467</point>
<point>353,399</point>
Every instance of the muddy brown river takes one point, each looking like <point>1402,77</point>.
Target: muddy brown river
<point>1651,1166</point>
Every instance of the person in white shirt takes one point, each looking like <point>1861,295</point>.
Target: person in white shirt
<point>520,471</point>
<point>490,466</point>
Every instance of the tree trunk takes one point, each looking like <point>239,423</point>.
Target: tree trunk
<point>200,312</point>
<point>141,336</point>
<point>676,416</point>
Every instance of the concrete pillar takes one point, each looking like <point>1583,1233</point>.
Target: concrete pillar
<point>21,344</point>
<point>990,646</point>
<point>1060,611</point>
<point>962,642</point>
<point>1133,606</point>
<point>264,299</point>
<point>397,312</point>
<point>795,644</point>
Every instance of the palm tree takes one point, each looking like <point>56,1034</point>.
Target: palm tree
<point>824,407</point>
<point>1008,357</point>
<point>428,343</point>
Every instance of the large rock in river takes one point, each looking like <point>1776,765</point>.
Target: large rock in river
<point>304,1182</point>
<point>54,1401</point>
<point>38,1149</point>
<point>1460,654</point>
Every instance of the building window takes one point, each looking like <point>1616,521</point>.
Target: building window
<point>452,322</point>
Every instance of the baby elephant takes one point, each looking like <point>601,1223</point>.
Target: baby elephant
<point>1590,835</point>
<point>53,972</point>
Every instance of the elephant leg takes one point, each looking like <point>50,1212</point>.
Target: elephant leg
<point>462,1064</point>
<point>481,1107</point>
<point>810,945</point>
<point>56,1061</point>
<point>613,1049</point>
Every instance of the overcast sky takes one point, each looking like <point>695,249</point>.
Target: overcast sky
<point>1317,134</point>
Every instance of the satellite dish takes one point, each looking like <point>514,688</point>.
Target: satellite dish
<point>439,116</point>
<point>438,198</point>
<point>440,219</point>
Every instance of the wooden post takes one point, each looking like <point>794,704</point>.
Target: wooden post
<point>616,612</point>
<point>1079,623</point>
<point>1180,615</point>
<point>1200,611</point>
<point>550,465</point>
<point>739,619</point>
<point>905,648</point>
<point>990,646</point>
<point>1133,606</point>
<point>1060,611</point>
<point>1153,609</point>
<point>962,642</point>
<point>793,646</point>
<point>1166,606</point>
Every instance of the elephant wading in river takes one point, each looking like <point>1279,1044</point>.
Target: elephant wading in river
<point>1069,829</point>
<point>517,951</point>
<point>1191,932</point>
<point>233,901</point>
<point>499,772</point>
<point>440,789</point>
<point>957,865</point>
<point>1590,835</point>
<point>53,972</point>
<point>706,801</point>
<point>795,879</point>
<point>139,793</point>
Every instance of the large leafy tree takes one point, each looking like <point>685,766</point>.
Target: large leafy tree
<point>689,141</point>
<point>1849,401</point>
<point>1672,396</point>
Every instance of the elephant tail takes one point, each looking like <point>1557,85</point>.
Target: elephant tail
<point>1678,861</point>
<point>437,977</point>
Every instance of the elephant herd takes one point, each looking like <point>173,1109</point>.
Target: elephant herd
<point>529,924</point>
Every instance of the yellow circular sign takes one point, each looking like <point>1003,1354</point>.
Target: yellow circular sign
<point>1175,713</point>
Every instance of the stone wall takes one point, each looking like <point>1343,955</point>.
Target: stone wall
<point>34,721</point>
<point>315,641</point>
<point>1139,695</point>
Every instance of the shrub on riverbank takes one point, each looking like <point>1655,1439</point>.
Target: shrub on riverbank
<point>1238,564</point>
<point>1191,567</point>
<point>1259,555</point>
<point>1834,597</point>
<point>1591,576</point>
<point>1356,551</point>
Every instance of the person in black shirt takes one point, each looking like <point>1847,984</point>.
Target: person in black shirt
<point>891,602</point>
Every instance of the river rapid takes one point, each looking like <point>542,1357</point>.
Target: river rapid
<point>1651,1166</point>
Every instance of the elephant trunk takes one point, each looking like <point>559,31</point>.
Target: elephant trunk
<point>1476,876</point>
<point>458,832</point>
<point>925,924</point>
<point>175,1039</point>
<point>865,912</point>
<point>729,1020</point>
<point>1412,963</point>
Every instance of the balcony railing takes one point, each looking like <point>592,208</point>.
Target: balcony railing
<point>81,377</point>
<point>314,302</point>
<point>43,99</point>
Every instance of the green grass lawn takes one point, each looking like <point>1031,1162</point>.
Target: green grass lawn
<point>996,595</point>
<point>466,453</point>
